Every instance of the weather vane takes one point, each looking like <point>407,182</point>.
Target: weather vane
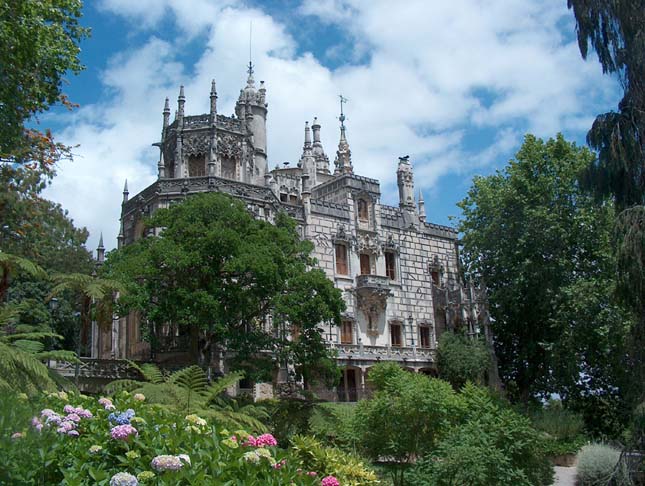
<point>342,115</point>
<point>250,70</point>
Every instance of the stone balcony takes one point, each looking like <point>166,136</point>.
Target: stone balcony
<point>372,282</point>
<point>401,354</point>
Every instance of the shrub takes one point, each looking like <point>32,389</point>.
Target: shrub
<point>334,422</point>
<point>598,465</point>
<point>563,428</point>
<point>461,359</point>
<point>348,468</point>
<point>494,445</point>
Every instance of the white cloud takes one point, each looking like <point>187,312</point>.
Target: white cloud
<point>435,71</point>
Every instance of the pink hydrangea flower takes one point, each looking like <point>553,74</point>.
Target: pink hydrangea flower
<point>312,473</point>
<point>106,403</point>
<point>73,417</point>
<point>73,433</point>
<point>167,463</point>
<point>65,427</point>
<point>329,481</point>
<point>250,441</point>
<point>265,440</point>
<point>123,432</point>
<point>279,464</point>
<point>68,409</point>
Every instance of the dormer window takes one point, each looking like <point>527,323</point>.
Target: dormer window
<point>363,210</point>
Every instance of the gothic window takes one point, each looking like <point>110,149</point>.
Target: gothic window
<point>228,168</point>
<point>363,211</point>
<point>346,332</point>
<point>390,265</point>
<point>284,197</point>
<point>395,334</point>
<point>366,264</point>
<point>424,336</point>
<point>341,259</point>
<point>196,166</point>
<point>293,198</point>
<point>435,277</point>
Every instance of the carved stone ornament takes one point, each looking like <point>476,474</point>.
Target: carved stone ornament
<point>229,146</point>
<point>341,234</point>
<point>368,243</point>
<point>196,145</point>
<point>372,302</point>
<point>390,244</point>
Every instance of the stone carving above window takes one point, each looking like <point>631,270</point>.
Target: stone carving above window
<point>368,243</point>
<point>390,244</point>
<point>372,302</point>
<point>196,145</point>
<point>229,146</point>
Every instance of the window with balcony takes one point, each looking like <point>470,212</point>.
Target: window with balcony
<point>390,265</point>
<point>366,264</point>
<point>347,332</point>
<point>363,210</point>
<point>396,339</point>
<point>424,336</point>
<point>341,259</point>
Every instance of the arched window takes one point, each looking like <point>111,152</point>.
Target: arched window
<point>196,166</point>
<point>363,210</point>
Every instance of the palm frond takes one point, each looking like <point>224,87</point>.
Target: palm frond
<point>10,263</point>
<point>191,378</point>
<point>120,385</point>
<point>152,373</point>
<point>29,346</point>
<point>32,336</point>
<point>222,384</point>
<point>58,355</point>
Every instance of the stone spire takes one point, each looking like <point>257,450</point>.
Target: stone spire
<point>307,159</point>
<point>181,101</point>
<point>126,193</point>
<point>166,115</point>
<point>405,181</point>
<point>422,207</point>
<point>213,98</point>
<point>343,160</point>
<point>322,161</point>
<point>100,251</point>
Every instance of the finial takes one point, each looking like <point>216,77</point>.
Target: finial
<point>250,68</point>
<point>166,106</point>
<point>213,90</point>
<point>125,191</point>
<point>342,115</point>
<point>307,135</point>
<point>422,207</point>
<point>100,242</point>
<point>100,251</point>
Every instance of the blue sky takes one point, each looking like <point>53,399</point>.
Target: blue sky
<point>455,85</point>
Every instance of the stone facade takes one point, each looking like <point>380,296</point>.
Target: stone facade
<point>399,273</point>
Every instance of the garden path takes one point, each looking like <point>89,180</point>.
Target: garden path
<point>565,476</point>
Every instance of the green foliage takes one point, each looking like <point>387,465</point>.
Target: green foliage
<point>543,247</point>
<point>41,46</point>
<point>406,417</point>
<point>289,417</point>
<point>334,423</point>
<point>461,359</point>
<point>598,465</point>
<point>492,445</point>
<point>217,269</point>
<point>188,391</point>
<point>349,469</point>
<point>557,421</point>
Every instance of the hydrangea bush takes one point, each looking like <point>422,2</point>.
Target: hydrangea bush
<point>123,441</point>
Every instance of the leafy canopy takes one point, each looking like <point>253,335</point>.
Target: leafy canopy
<point>40,46</point>
<point>543,247</point>
<point>217,269</point>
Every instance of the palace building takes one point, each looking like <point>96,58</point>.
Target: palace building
<point>399,273</point>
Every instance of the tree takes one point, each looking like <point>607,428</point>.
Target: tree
<point>218,273</point>
<point>40,40</point>
<point>543,247</point>
<point>461,359</point>
<point>406,417</point>
<point>616,31</point>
